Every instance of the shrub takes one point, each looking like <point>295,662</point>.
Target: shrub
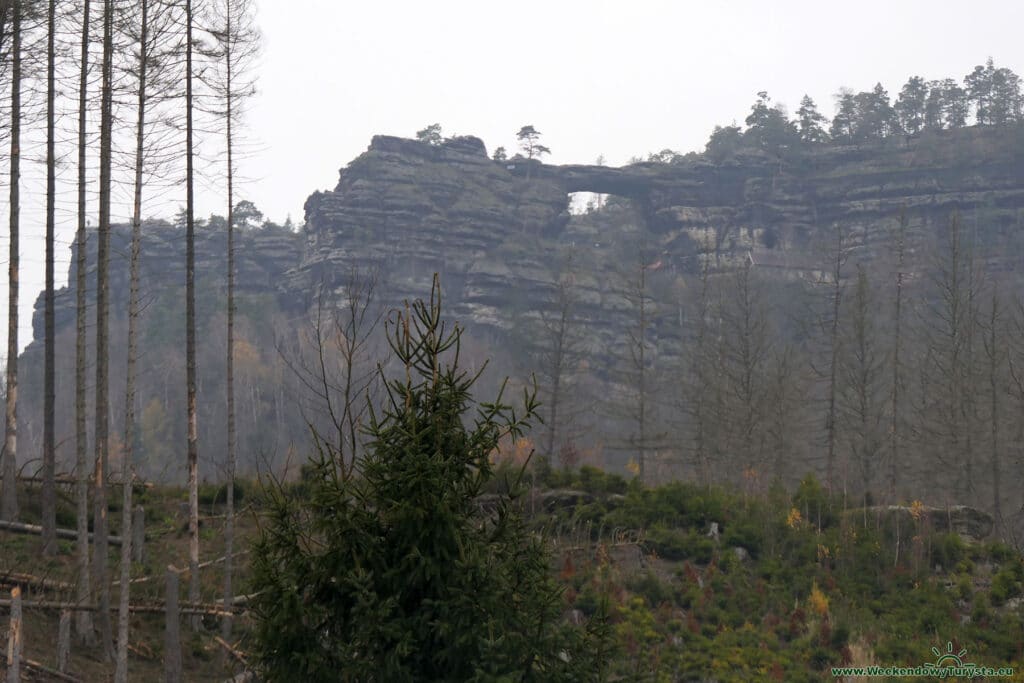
<point>1006,584</point>
<point>1000,552</point>
<point>651,588</point>
<point>391,572</point>
<point>746,533</point>
<point>217,494</point>
<point>813,501</point>
<point>675,544</point>
<point>947,550</point>
<point>594,480</point>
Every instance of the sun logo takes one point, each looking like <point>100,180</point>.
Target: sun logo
<point>947,659</point>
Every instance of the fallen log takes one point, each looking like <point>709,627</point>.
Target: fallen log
<point>141,650</point>
<point>53,673</point>
<point>186,607</point>
<point>71,481</point>
<point>240,599</point>
<point>182,571</point>
<point>19,528</point>
<point>30,581</point>
<point>231,651</point>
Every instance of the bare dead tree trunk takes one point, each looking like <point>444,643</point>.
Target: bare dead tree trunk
<point>637,295</point>
<point>49,493</point>
<point>172,636</point>
<point>559,354</point>
<point>947,414</point>
<point>83,619</point>
<point>700,370</point>
<point>190,323</point>
<point>830,419</point>
<point>101,447</point>
<point>897,378</point>
<point>124,592</point>
<point>9,498</point>
<point>64,641</point>
<point>861,398</point>
<point>993,352</point>
<point>15,638</point>
<point>972,391</point>
<point>229,514</point>
<point>642,371</point>
<point>127,473</point>
<point>746,346</point>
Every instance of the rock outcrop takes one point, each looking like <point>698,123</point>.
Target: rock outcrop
<point>970,523</point>
<point>502,236</point>
<point>498,232</point>
<point>263,256</point>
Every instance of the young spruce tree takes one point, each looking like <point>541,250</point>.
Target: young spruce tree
<point>393,572</point>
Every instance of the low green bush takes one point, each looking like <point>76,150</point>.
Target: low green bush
<point>1006,583</point>
<point>675,544</point>
<point>217,494</point>
<point>651,588</point>
<point>947,550</point>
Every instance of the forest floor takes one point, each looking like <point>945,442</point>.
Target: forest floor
<point>166,544</point>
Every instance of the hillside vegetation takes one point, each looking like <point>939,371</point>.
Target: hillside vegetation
<point>791,586</point>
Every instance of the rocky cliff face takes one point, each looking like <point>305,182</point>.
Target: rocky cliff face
<point>263,256</point>
<point>499,232</point>
<point>502,237</point>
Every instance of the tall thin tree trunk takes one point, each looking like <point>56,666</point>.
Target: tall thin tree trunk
<point>49,494</point>
<point>642,379</point>
<point>700,369</point>
<point>9,502</point>
<point>993,378</point>
<point>127,474</point>
<point>102,317</point>
<point>229,520</point>
<point>830,420</point>
<point>190,327</point>
<point>83,618</point>
<point>894,427</point>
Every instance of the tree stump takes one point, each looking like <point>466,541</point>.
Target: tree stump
<point>138,534</point>
<point>14,638</point>
<point>172,634</point>
<point>64,641</point>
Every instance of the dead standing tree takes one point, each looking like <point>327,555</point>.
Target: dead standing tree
<point>8,466</point>
<point>151,27</point>
<point>560,353</point>
<point>861,398</point>
<point>746,346</point>
<point>83,620</point>
<point>228,77</point>
<point>946,409</point>
<point>334,363</point>
<point>101,446</point>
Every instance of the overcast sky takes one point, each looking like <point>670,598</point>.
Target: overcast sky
<point>620,79</point>
<point>614,78</point>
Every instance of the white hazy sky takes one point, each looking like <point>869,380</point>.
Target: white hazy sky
<point>595,77</point>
